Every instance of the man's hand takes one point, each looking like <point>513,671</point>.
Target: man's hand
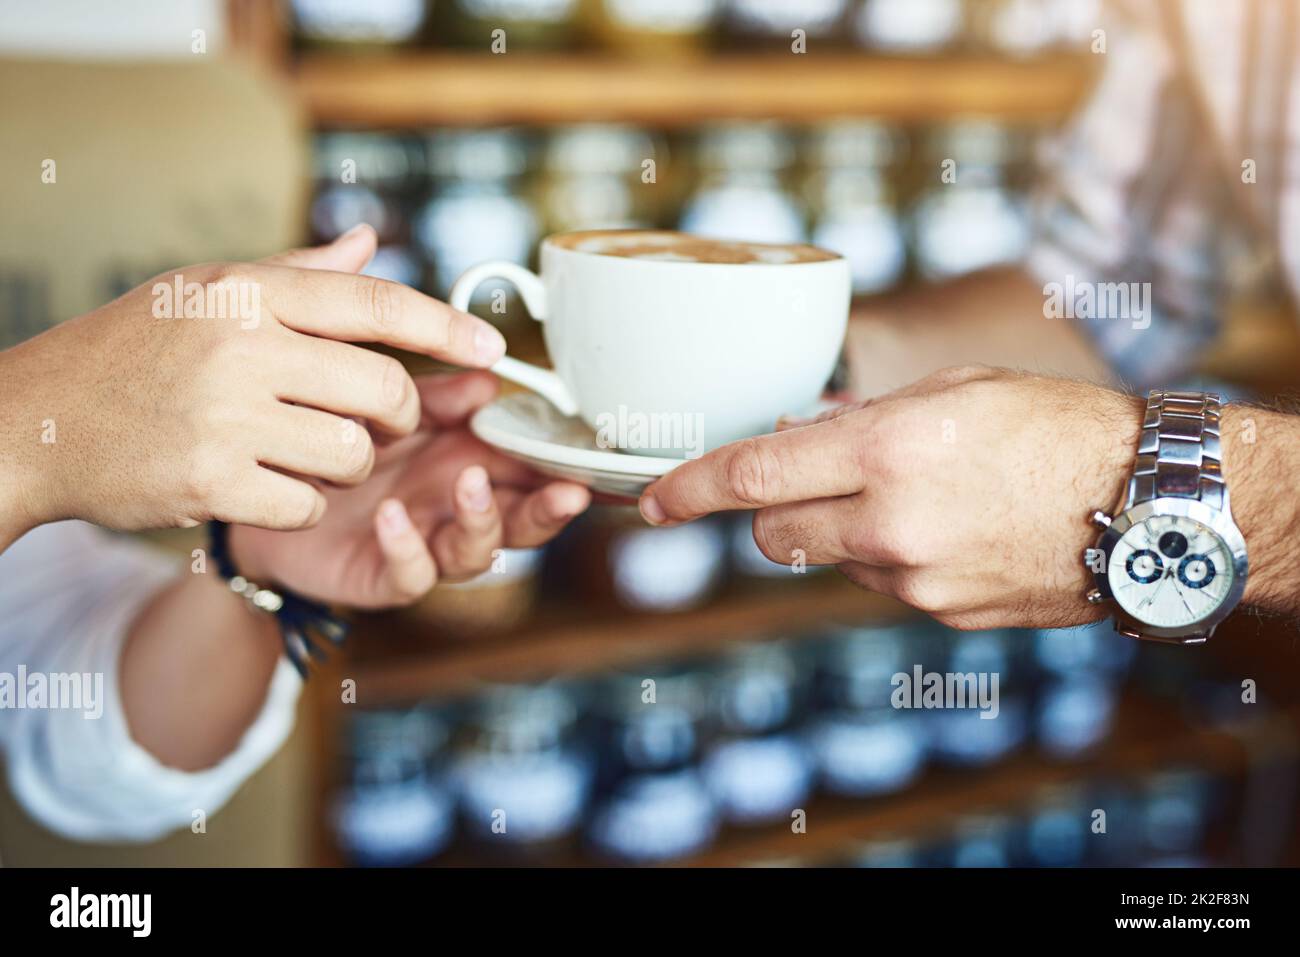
<point>965,495</point>
<point>136,416</point>
<point>435,507</point>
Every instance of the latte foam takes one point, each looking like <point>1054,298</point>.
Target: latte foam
<point>666,246</point>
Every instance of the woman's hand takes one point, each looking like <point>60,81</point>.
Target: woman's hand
<point>217,391</point>
<point>423,515</point>
<point>436,507</point>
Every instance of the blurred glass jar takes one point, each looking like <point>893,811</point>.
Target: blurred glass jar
<point>666,569</point>
<point>592,179</point>
<point>656,29</point>
<point>1033,27</point>
<point>383,161</point>
<point>851,199</point>
<point>346,22</point>
<point>771,23</point>
<point>910,26</point>
<point>528,24</point>
<point>887,850</point>
<point>1076,23</point>
<point>397,806</point>
<point>757,768</point>
<point>1176,806</point>
<point>498,599</point>
<point>364,178</point>
<point>655,817</point>
<point>742,191</point>
<point>609,559</point>
<point>1083,668</point>
<point>1074,714</point>
<point>1018,28</point>
<point>1115,836</point>
<point>970,217</point>
<point>1056,833</point>
<point>521,772</point>
<point>1087,649</point>
<point>983,840</point>
<point>478,211</point>
<point>863,745</point>
<point>650,720</point>
<point>336,209</point>
<point>964,735</point>
<point>396,263</point>
<point>654,805</point>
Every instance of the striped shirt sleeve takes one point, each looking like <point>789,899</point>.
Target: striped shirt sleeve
<point>1126,215</point>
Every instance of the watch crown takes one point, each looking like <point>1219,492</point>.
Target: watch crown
<point>1095,596</point>
<point>1100,519</point>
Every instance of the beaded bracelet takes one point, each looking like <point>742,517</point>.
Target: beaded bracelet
<point>298,617</point>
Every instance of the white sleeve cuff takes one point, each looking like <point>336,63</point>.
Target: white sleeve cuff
<point>84,776</point>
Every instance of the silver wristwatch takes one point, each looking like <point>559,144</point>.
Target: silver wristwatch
<point>1172,561</point>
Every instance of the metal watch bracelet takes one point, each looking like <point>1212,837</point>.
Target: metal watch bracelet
<point>1179,453</point>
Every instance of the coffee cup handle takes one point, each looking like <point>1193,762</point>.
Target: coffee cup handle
<point>542,381</point>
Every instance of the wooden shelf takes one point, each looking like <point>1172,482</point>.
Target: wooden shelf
<point>395,659</point>
<point>455,89</point>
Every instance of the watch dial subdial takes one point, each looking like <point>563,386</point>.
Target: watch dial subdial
<point>1196,571</point>
<point>1173,544</point>
<point>1144,566</point>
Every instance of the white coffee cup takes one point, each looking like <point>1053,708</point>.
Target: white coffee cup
<point>672,358</point>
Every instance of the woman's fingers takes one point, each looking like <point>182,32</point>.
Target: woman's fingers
<point>485,520</point>
<point>337,305</point>
<point>448,400</point>
<point>457,449</point>
<point>409,570</point>
<point>535,518</point>
<point>463,547</point>
<point>316,444</point>
<point>267,499</point>
<point>341,378</point>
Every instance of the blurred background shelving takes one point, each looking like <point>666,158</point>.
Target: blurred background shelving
<point>523,691</point>
<point>527,683</point>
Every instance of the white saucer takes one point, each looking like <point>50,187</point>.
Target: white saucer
<point>526,426</point>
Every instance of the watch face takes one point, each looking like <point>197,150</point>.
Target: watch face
<point>1170,571</point>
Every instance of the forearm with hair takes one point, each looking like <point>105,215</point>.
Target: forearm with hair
<point>1261,464</point>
